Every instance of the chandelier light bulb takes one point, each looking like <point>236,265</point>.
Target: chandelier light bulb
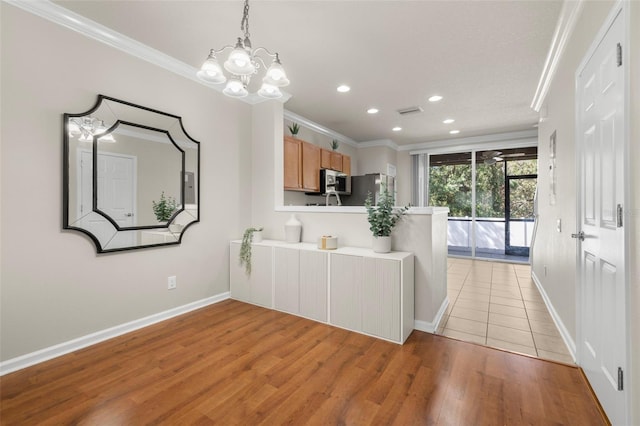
<point>239,61</point>
<point>211,71</point>
<point>269,91</point>
<point>235,89</point>
<point>275,74</point>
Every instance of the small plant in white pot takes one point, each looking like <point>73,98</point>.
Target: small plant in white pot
<point>383,219</point>
<point>250,235</point>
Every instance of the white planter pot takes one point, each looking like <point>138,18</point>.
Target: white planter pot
<point>381,244</point>
<point>256,237</point>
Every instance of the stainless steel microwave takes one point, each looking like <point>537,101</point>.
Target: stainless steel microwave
<point>331,180</point>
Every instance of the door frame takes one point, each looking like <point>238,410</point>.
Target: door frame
<point>619,10</point>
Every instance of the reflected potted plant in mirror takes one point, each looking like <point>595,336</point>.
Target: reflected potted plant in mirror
<point>383,218</point>
<point>164,208</point>
<point>294,128</point>
<point>250,235</point>
<point>335,144</point>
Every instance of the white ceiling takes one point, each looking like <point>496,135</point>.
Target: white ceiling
<point>484,57</point>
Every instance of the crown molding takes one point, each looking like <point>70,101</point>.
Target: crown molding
<point>564,28</point>
<point>311,125</point>
<point>379,142</point>
<point>91,29</point>
<point>520,139</point>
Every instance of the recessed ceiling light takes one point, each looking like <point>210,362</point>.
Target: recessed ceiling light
<point>372,110</point>
<point>343,88</point>
<point>454,132</point>
<point>435,98</point>
<point>448,121</point>
<point>397,129</point>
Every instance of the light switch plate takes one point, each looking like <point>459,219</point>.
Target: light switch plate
<point>559,225</point>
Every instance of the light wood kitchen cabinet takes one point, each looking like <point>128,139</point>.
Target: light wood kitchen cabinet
<point>325,161</point>
<point>300,282</point>
<point>336,161</point>
<point>301,165</point>
<point>292,163</point>
<point>256,288</point>
<point>346,165</point>
<point>310,167</point>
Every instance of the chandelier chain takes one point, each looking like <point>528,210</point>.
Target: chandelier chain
<point>244,24</point>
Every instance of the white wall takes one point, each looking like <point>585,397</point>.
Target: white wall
<point>557,251</point>
<point>54,287</point>
<point>374,159</point>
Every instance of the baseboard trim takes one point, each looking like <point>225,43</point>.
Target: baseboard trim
<point>64,348</point>
<point>432,327</point>
<point>564,333</point>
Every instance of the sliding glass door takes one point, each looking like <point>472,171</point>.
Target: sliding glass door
<point>489,194</point>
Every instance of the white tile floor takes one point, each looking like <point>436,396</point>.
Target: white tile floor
<point>497,304</point>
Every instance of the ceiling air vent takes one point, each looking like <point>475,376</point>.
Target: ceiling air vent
<point>410,110</point>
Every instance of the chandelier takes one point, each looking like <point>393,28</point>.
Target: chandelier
<point>241,64</point>
<point>87,128</point>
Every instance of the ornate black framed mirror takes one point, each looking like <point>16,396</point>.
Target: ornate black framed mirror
<point>131,176</point>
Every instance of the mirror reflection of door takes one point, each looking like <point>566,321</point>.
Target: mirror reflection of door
<point>116,197</point>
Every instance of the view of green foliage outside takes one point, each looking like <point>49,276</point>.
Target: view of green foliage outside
<point>450,186</point>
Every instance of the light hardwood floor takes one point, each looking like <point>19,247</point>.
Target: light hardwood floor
<point>234,363</point>
<point>497,304</point>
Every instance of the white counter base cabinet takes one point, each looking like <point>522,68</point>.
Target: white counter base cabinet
<point>351,288</point>
<point>300,282</point>
<point>373,295</point>
<point>258,287</point>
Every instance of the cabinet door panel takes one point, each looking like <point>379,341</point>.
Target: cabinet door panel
<point>346,164</point>
<point>336,161</point>
<point>286,275</point>
<point>313,285</point>
<point>346,291</point>
<point>310,167</point>
<point>292,157</point>
<point>239,281</point>
<point>325,159</point>
<point>261,279</point>
<point>381,298</point>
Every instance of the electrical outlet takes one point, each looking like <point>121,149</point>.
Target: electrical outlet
<point>172,283</point>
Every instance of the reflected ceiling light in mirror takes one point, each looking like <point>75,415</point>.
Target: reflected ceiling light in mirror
<point>435,98</point>
<point>87,128</point>
<point>372,111</point>
<point>454,132</point>
<point>242,63</point>
<point>448,121</point>
<point>343,88</point>
<point>397,129</point>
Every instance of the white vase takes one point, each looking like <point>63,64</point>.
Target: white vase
<point>256,237</point>
<point>292,230</point>
<point>381,244</point>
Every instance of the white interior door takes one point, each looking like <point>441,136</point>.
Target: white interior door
<point>602,284</point>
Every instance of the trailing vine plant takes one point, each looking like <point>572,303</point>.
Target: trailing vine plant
<point>245,249</point>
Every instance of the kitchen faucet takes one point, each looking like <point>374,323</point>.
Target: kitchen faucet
<point>332,191</point>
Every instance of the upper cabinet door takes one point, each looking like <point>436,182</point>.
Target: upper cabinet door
<point>292,163</point>
<point>336,161</point>
<point>346,165</point>
<point>310,167</point>
<point>325,161</point>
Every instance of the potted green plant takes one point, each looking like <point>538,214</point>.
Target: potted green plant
<point>382,218</point>
<point>294,128</point>
<point>335,144</point>
<point>164,208</point>
<point>250,235</point>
